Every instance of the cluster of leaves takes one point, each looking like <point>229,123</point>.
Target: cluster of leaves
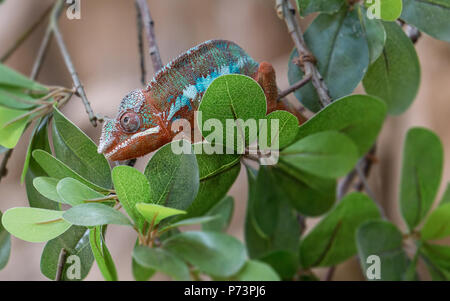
<point>73,194</point>
<point>345,41</point>
<point>19,98</point>
<point>421,176</point>
<point>178,190</point>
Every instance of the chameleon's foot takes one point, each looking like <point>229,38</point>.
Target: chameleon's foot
<point>267,80</point>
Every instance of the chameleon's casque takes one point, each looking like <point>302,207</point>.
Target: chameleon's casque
<point>143,122</point>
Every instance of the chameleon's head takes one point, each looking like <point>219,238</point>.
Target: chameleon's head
<point>135,132</point>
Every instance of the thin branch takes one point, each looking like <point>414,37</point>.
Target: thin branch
<point>294,87</point>
<point>367,164</point>
<point>25,35</point>
<point>41,52</point>
<point>68,61</point>
<point>3,169</point>
<point>366,186</point>
<point>286,11</point>
<point>330,273</point>
<point>149,29</point>
<point>345,184</point>
<point>140,30</point>
<point>413,33</point>
<point>60,267</point>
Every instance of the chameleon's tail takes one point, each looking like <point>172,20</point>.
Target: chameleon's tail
<point>267,80</point>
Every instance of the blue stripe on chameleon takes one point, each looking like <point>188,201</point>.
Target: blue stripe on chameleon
<point>201,84</point>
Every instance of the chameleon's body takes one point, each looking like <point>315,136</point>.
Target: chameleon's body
<point>143,123</point>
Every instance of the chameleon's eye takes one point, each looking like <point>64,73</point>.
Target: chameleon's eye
<point>130,122</point>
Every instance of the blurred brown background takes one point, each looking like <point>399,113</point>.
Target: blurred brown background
<point>103,46</point>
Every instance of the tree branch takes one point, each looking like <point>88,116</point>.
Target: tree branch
<point>25,35</point>
<point>60,267</point>
<point>3,169</point>
<point>41,53</point>
<point>68,61</point>
<point>295,87</point>
<point>149,29</point>
<point>287,12</point>
<point>140,30</point>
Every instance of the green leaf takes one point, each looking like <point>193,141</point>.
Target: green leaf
<point>5,246</point>
<point>395,75</point>
<point>327,154</point>
<point>284,134</point>
<point>374,32</point>
<point>131,187</point>
<point>92,214</point>
<point>11,133</point>
<point>437,225</point>
<point>58,170</point>
<point>306,7</point>
<point>73,192</point>
<point>76,242</point>
<point>411,271</point>
<point>390,10</point>
<point>308,194</point>
<point>333,239</point>
<point>360,117</point>
<point>421,174</point>
<point>36,134</point>
<point>154,213</point>
<point>38,141</point>
<point>254,270</point>
<point>189,222</point>
<point>285,263</point>
<point>274,228</point>
<point>102,256</point>
<point>217,174</point>
<point>15,98</point>
<point>141,273</point>
<point>339,44</point>
<point>382,239</point>
<point>446,196</point>
<point>222,211</point>
<point>430,16</point>
<point>79,152</point>
<point>437,258</point>
<point>174,179</point>
<point>213,253</point>
<point>162,261</point>
<point>232,97</point>
<point>11,78</point>
<point>47,187</point>
<point>34,224</point>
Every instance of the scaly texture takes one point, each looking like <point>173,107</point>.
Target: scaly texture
<point>143,123</point>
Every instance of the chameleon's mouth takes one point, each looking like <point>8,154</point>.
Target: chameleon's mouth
<point>113,152</point>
